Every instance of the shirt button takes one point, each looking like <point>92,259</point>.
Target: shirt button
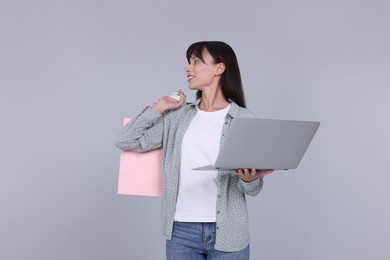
<point>217,227</point>
<point>218,212</point>
<point>226,123</point>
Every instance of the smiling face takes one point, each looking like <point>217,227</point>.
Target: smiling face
<point>227,77</point>
<point>202,72</point>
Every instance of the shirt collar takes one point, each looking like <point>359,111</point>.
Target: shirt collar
<point>233,111</point>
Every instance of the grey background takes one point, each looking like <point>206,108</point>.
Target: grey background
<point>71,70</point>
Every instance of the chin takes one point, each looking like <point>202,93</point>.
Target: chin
<point>193,87</point>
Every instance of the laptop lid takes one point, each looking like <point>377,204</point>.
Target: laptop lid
<point>264,144</point>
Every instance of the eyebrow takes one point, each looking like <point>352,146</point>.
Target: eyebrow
<point>193,56</point>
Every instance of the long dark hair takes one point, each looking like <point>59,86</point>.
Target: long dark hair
<point>230,82</point>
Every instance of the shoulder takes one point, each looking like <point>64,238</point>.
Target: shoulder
<point>237,111</point>
<point>180,112</point>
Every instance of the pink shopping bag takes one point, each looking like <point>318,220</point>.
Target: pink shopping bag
<point>140,173</point>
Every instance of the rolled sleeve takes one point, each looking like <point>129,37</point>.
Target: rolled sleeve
<point>142,133</point>
<point>251,188</point>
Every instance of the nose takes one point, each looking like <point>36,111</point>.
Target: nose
<point>187,68</point>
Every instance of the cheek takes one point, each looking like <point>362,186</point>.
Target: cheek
<point>207,72</point>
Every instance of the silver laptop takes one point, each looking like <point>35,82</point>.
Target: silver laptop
<point>264,144</point>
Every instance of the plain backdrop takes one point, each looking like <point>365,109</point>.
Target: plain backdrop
<point>71,70</point>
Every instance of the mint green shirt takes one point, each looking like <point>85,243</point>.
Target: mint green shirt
<point>151,130</point>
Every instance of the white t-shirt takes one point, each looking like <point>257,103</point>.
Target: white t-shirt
<point>197,196</point>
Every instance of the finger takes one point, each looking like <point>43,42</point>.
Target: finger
<point>265,172</point>
<point>181,93</point>
<point>239,171</point>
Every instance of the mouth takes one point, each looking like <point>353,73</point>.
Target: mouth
<point>189,77</point>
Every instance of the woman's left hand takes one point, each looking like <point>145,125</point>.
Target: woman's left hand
<point>249,175</point>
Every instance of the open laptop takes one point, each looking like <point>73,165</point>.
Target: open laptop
<point>264,144</point>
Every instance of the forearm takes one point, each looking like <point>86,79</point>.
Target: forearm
<point>143,133</point>
<point>251,188</point>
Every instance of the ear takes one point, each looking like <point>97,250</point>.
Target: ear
<point>220,69</point>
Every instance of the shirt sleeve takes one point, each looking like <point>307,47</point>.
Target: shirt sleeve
<point>143,133</point>
<point>251,188</point>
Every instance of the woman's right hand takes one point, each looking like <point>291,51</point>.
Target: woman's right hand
<point>168,103</point>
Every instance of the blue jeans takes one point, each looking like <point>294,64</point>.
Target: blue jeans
<point>195,241</point>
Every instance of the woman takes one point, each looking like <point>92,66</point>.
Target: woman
<point>204,214</point>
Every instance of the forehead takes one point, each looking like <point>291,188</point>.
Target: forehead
<point>204,55</point>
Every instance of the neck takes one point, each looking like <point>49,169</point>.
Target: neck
<point>213,101</point>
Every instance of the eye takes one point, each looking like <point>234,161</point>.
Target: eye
<point>194,60</point>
